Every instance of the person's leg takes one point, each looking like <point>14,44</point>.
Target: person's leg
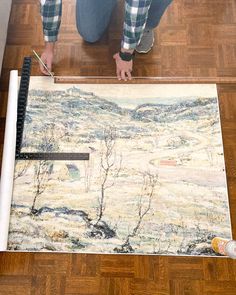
<point>155,13</point>
<point>92,18</point>
<point>156,10</point>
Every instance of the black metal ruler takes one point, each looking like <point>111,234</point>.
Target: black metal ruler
<point>21,111</point>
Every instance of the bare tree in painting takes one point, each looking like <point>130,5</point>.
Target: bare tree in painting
<point>49,139</point>
<point>144,205</point>
<point>21,168</point>
<point>43,168</point>
<point>22,165</point>
<point>88,168</point>
<point>110,167</point>
<point>42,171</point>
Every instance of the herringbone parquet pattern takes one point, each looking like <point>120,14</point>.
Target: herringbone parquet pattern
<point>196,38</point>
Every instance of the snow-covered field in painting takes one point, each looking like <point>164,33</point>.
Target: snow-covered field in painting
<point>155,181</point>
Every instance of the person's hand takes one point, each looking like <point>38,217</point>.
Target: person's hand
<point>123,68</point>
<point>47,58</point>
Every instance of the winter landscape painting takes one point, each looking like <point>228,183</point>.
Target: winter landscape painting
<point>155,180</point>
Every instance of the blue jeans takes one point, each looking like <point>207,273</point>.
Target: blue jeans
<point>93,16</point>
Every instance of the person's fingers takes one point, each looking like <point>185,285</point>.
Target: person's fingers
<point>42,69</point>
<point>45,72</point>
<point>115,56</point>
<point>48,63</point>
<point>129,75</point>
<point>118,74</point>
<point>123,77</point>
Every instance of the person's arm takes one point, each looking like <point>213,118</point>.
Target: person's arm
<point>136,13</point>
<point>51,18</point>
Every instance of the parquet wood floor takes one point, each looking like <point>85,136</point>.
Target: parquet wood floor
<point>196,38</point>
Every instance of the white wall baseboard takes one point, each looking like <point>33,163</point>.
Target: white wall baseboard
<point>5,8</point>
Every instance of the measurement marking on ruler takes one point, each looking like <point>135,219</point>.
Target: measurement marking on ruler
<point>53,156</point>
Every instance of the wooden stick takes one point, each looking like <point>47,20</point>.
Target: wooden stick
<point>145,80</point>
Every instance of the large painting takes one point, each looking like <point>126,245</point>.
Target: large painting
<point>155,180</point>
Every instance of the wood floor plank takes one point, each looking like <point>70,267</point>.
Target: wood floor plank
<point>82,285</point>
<point>150,287</point>
<point>117,266</point>
<point>85,265</point>
<point>219,270</point>
<point>186,287</point>
<point>185,268</point>
<point>15,284</point>
<point>46,264</point>
<point>116,286</point>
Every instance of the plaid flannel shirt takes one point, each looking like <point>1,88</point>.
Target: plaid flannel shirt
<point>136,13</point>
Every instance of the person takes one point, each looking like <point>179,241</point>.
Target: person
<point>92,19</point>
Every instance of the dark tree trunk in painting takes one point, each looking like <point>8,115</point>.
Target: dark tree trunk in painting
<point>41,178</point>
<point>110,167</point>
<point>147,192</point>
<point>43,168</point>
<point>20,171</point>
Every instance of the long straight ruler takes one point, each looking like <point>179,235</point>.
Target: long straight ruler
<point>145,80</point>
<point>21,112</point>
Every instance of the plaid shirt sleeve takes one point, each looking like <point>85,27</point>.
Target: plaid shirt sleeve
<point>136,13</point>
<point>51,17</point>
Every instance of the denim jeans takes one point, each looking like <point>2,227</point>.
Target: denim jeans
<point>93,16</point>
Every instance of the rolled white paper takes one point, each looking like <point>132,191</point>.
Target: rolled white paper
<point>8,160</point>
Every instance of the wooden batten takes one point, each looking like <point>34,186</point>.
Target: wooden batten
<point>145,80</point>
